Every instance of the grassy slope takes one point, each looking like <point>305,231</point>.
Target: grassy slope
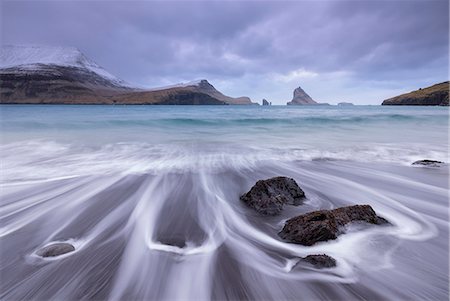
<point>434,95</point>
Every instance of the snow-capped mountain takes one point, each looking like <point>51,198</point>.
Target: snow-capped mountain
<point>179,85</point>
<point>35,57</point>
<point>64,75</point>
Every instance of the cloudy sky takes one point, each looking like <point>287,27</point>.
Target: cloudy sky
<point>358,51</point>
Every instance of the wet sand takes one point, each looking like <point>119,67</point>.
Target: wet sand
<point>171,235</point>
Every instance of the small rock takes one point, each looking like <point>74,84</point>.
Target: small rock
<point>269,196</point>
<point>431,163</point>
<point>320,261</point>
<point>323,225</point>
<point>55,249</point>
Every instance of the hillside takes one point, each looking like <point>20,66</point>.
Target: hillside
<point>63,75</point>
<point>436,95</point>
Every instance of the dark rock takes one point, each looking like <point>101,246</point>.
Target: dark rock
<point>300,97</point>
<point>269,196</point>
<point>55,249</point>
<point>320,261</point>
<point>323,225</point>
<point>173,241</point>
<point>265,102</point>
<point>431,163</point>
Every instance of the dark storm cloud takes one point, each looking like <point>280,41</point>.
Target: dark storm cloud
<point>245,47</point>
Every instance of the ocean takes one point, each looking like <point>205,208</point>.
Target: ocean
<point>149,197</point>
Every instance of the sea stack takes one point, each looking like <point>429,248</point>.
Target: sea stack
<point>265,102</point>
<point>300,97</point>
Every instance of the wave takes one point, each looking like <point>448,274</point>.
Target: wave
<point>42,159</point>
<point>299,121</point>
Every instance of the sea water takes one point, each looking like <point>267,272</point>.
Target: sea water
<point>149,197</point>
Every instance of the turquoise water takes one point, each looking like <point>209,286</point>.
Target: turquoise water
<point>210,135</point>
<point>149,198</point>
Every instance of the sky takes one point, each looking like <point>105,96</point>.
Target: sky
<point>337,51</point>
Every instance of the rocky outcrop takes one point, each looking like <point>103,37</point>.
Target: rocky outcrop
<point>436,95</point>
<point>301,98</point>
<point>269,196</point>
<point>430,163</point>
<point>203,86</point>
<point>320,261</point>
<point>323,225</point>
<point>55,249</point>
<point>265,102</point>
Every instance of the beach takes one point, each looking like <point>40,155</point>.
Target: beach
<point>149,198</point>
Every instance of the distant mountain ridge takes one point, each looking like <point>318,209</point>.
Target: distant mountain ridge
<point>436,95</point>
<point>64,75</point>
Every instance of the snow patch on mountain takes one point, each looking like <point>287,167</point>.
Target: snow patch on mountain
<point>179,85</point>
<point>29,57</point>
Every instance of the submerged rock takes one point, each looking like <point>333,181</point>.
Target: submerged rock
<point>269,196</point>
<point>55,249</point>
<point>323,225</point>
<point>431,163</point>
<point>320,261</point>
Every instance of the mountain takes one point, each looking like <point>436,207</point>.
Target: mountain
<point>203,86</point>
<point>436,95</point>
<point>301,98</point>
<point>64,75</point>
<point>34,57</point>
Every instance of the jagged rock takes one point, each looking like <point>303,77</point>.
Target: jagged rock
<point>323,225</point>
<point>269,196</point>
<point>301,98</point>
<point>265,102</point>
<point>320,261</point>
<point>430,163</point>
<point>55,249</point>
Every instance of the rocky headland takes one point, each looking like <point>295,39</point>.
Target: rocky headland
<point>436,95</point>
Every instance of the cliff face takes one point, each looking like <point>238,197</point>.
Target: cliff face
<point>301,98</point>
<point>436,95</point>
<point>203,86</point>
<point>55,84</point>
<point>49,75</point>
